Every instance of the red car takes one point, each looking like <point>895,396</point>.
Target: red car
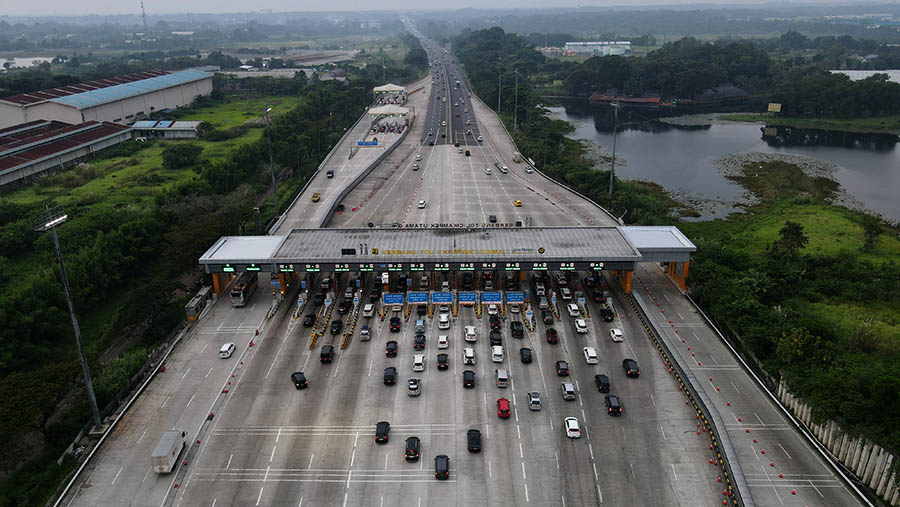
<point>503,408</point>
<point>552,337</point>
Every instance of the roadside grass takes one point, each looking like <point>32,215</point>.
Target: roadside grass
<point>845,317</point>
<point>874,124</point>
<point>240,108</point>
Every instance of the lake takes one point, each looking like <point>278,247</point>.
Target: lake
<point>682,158</point>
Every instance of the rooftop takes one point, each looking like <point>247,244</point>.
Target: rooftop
<point>63,91</point>
<point>36,140</point>
<point>123,91</point>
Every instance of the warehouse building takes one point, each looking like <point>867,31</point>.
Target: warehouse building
<point>167,129</point>
<point>31,148</point>
<point>118,99</point>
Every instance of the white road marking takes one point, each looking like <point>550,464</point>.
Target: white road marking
<point>228,465</point>
<point>352,456</point>
<point>258,498</point>
<point>204,346</point>
<point>524,478</point>
<point>146,474</point>
<point>652,399</point>
<point>278,435</point>
<point>594,466</point>
<point>185,373</point>
<point>311,456</point>
<point>563,497</point>
<point>165,402</point>
<point>785,452</point>
<point>680,316</point>
<point>490,472</point>
<point>266,477</point>
<point>518,433</point>
<point>673,471</point>
<point>632,471</point>
<point>667,297</point>
<point>207,373</point>
<point>521,454</point>
<point>345,498</point>
<point>142,436</point>
<point>815,488</point>
<point>117,476</point>
<point>600,493</point>
<point>776,494</point>
<point>190,400</point>
<point>713,358</point>
<point>272,456</point>
<point>591,449</point>
<point>758,418</point>
<point>526,493</point>
<point>662,432</point>
<point>214,502</point>
<point>386,461</point>
<point>516,411</point>
<point>735,387</point>
<point>301,502</point>
<point>557,459</point>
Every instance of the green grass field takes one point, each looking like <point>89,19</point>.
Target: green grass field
<point>876,124</point>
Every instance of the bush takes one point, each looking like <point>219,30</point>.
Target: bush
<point>178,155</point>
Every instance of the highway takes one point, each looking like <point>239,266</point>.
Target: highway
<point>271,444</point>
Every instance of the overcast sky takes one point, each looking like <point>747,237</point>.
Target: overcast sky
<point>82,7</point>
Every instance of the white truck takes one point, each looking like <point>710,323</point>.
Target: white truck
<point>167,450</point>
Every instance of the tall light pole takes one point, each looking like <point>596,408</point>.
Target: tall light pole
<point>271,162</point>
<point>516,106</point>
<point>612,167</point>
<point>52,218</point>
<point>499,83</point>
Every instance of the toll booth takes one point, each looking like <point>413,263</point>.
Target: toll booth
<point>198,303</point>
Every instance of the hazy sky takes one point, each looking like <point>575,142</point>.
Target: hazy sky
<point>82,7</point>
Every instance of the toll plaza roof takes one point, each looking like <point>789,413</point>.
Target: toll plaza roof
<point>660,243</point>
<point>388,110</point>
<point>457,248</point>
<point>388,88</point>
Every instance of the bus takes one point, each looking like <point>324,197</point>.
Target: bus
<point>517,157</point>
<point>243,289</point>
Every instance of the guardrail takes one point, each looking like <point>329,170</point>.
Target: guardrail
<point>827,456</point>
<point>713,423</point>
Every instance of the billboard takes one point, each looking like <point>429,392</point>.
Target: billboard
<point>392,299</point>
<point>466,298</point>
<point>442,298</point>
<point>774,107</point>
<point>515,297</point>
<point>491,297</point>
<point>415,298</point>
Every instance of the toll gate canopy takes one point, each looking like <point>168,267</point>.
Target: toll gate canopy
<point>448,249</point>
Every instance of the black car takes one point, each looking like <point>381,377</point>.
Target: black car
<point>375,293</point>
<point>602,382</point>
<point>390,349</point>
<point>588,282</point>
<point>318,299</point>
<point>299,380</point>
<point>492,219</point>
<point>631,368</point>
<point>562,368</point>
<point>344,307</point>
<point>340,208</point>
<point>390,376</point>
<point>547,317</point>
<point>382,432</point>
<point>474,440</point>
<point>419,342</point>
<point>525,354</point>
<point>607,315</point>
<point>495,321</point>
<point>613,405</point>
<point>597,296</point>
<point>552,337</point>
<point>443,361</point>
<point>336,326</point>
<point>496,337</point>
<point>441,467</point>
<point>412,449</point>
<point>327,354</point>
<point>516,329</point>
<point>469,379</point>
<point>309,320</point>
<point>395,324</point>
<point>421,310</point>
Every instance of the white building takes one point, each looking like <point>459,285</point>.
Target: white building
<point>604,48</point>
<point>116,99</point>
<point>167,129</point>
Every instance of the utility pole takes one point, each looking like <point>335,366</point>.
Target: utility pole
<point>499,84</point>
<point>516,106</point>
<point>48,222</point>
<point>612,168</point>
<point>271,162</point>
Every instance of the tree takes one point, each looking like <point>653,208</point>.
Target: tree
<point>871,231</point>
<point>178,155</point>
<point>791,238</point>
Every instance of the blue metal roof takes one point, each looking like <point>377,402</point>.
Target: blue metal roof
<point>145,124</point>
<point>123,91</point>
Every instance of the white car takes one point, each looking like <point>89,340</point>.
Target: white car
<point>419,362</point>
<point>616,335</point>
<point>573,310</point>
<point>573,430</point>
<point>468,356</point>
<point>581,326</point>
<point>497,353</point>
<point>493,310</point>
<point>480,139</point>
<point>421,204</point>
<point>470,334</point>
<point>590,355</point>
<point>565,293</point>
<point>444,321</point>
<point>368,311</point>
<point>443,341</point>
<point>418,157</point>
<point>515,308</point>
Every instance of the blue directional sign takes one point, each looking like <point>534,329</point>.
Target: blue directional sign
<point>367,143</point>
<point>491,297</point>
<point>515,297</point>
<point>442,298</point>
<point>417,297</point>
<point>392,299</point>
<point>466,297</point>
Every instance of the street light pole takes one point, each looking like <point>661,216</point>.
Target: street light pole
<point>612,168</point>
<point>271,162</point>
<point>51,219</point>
<point>516,106</point>
<point>499,85</point>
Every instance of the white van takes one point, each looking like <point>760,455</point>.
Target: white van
<point>369,310</point>
<point>419,362</point>
<point>590,355</point>
<point>497,353</point>
<point>468,356</point>
<point>502,378</point>
<point>443,321</point>
<point>470,334</point>
<point>226,350</point>
<point>443,341</point>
